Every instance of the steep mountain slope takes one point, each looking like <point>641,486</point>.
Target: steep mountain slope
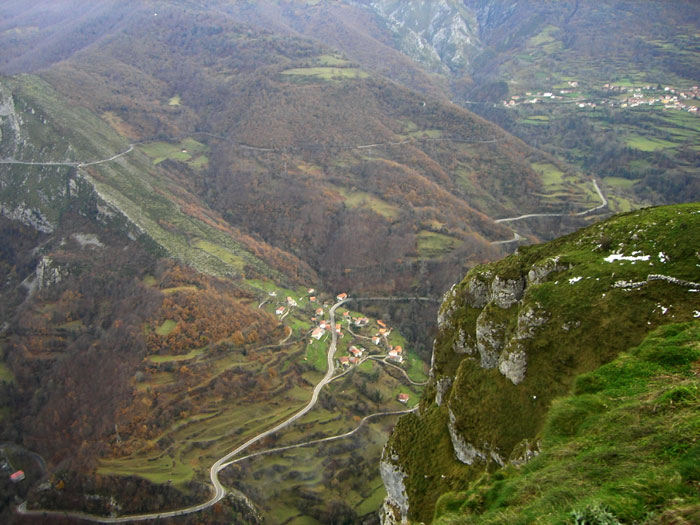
<point>621,449</point>
<point>366,163</point>
<point>140,340</point>
<point>574,78</point>
<point>513,335</point>
<point>174,173</point>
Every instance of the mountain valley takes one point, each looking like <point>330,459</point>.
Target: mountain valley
<point>227,228</point>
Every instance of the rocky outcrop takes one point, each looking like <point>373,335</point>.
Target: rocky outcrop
<point>396,503</point>
<point>529,318</point>
<point>9,123</point>
<point>514,335</point>
<point>539,273</point>
<point>513,364</point>
<point>524,452</point>
<point>464,344</point>
<point>446,308</point>
<point>478,293</point>
<point>506,292</point>
<point>48,273</point>
<point>442,34</point>
<point>489,335</point>
<point>464,452</point>
<point>28,216</point>
<point>442,389</point>
<point>490,338</point>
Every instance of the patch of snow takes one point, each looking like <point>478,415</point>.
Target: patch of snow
<point>620,257</point>
<point>696,314</point>
<point>662,257</point>
<point>575,280</point>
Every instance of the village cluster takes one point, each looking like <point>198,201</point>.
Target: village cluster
<point>618,96</point>
<point>355,354</point>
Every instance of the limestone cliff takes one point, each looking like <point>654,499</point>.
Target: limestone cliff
<point>514,334</point>
<point>443,35</point>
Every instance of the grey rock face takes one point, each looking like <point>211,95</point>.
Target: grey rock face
<point>464,344</point>
<point>48,273</point>
<point>442,388</point>
<point>9,121</point>
<point>478,294</point>
<point>513,365</point>
<point>490,339</point>
<point>464,452</point>
<point>446,308</point>
<point>506,292</point>
<point>397,499</point>
<point>539,272</point>
<point>530,318</point>
<point>28,217</point>
<point>442,34</point>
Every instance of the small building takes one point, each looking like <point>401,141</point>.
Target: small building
<point>381,323</point>
<point>376,340</point>
<point>403,398</point>
<point>323,325</point>
<point>311,291</point>
<point>362,321</point>
<point>312,299</point>
<point>319,311</point>
<point>17,476</point>
<point>291,302</point>
<point>344,360</point>
<point>318,333</point>
<point>280,310</point>
<point>272,294</point>
<point>346,314</point>
<point>355,351</point>
<point>394,356</point>
<point>341,296</point>
<point>354,360</point>
<point>398,349</point>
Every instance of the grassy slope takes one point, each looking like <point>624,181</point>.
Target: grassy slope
<point>151,200</point>
<point>540,47</point>
<point>589,321</point>
<point>624,443</point>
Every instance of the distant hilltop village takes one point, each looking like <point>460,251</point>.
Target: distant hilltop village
<point>611,95</point>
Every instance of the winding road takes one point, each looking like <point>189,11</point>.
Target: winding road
<point>70,164</point>
<point>516,237</point>
<point>579,214</point>
<point>219,491</point>
<point>221,463</point>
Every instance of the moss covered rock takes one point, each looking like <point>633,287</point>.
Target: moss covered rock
<point>514,335</point>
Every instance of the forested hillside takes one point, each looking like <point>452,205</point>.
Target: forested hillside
<point>605,86</point>
<point>373,165</point>
<point>226,226</point>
